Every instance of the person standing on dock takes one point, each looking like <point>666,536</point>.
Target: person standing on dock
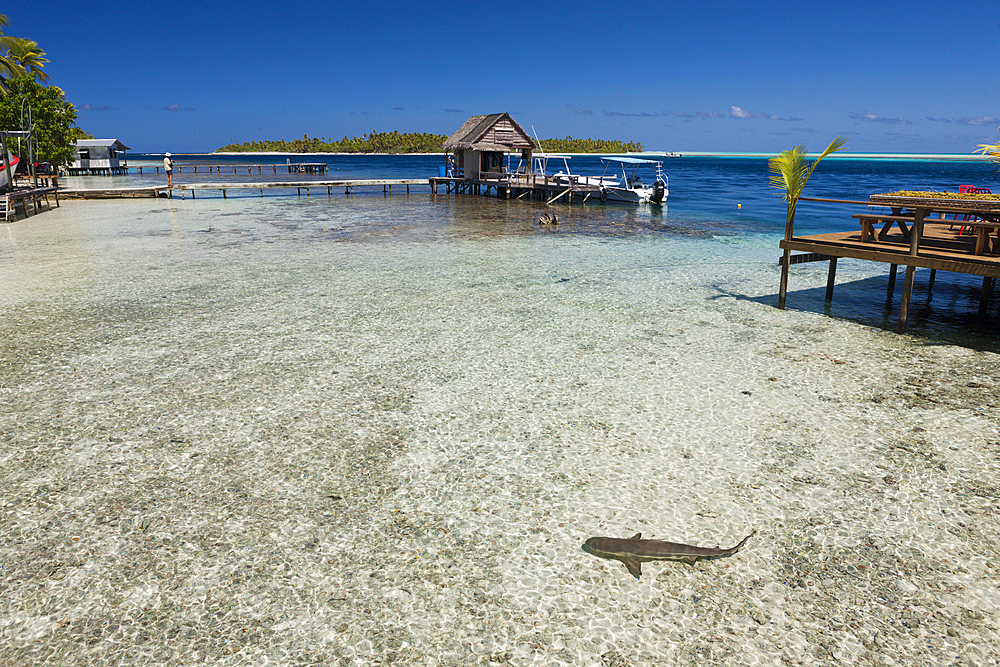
<point>168,166</point>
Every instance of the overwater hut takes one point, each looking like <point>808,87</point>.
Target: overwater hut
<point>99,157</point>
<point>482,142</point>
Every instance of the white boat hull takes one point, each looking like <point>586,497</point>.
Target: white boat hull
<point>3,171</point>
<point>635,195</point>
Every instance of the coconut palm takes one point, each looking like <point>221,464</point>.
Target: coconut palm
<point>790,173</point>
<point>992,151</point>
<point>28,57</point>
<point>8,68</point>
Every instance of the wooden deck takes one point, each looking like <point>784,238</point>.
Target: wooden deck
<point>518,186</point>
<point>941,248</point>
<point>914,233</point>
<point>192,188</point>
<point>292,168</point>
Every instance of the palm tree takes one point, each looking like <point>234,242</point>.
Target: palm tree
<point>8,68</point>
<point>28,57</point>
<point>992,151</point>
<point>790,173</point>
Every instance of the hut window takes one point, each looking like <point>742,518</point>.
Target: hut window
<point>84,154</point>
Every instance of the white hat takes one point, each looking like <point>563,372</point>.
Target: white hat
<point>167,154</point>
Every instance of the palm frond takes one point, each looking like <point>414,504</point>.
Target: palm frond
<point>787,171</point>
<point>26,55</point>
<point>991,151</point>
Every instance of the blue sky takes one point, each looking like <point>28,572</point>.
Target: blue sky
<point>912,76</point>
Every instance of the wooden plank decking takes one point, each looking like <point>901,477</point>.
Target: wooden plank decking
<point>914,233</point>
<point>941,248</point>
<point>191,188</point>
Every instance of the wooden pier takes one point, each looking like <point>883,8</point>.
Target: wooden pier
<point>192,188</point>
<point>915,232</point>
<point>292,168</point>
<point>348,186</point>
<point>518,186</point>
<point>538,188</point>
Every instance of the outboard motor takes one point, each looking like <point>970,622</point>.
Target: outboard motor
<point>658,190</point>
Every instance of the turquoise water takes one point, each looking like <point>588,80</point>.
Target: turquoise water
<point>726,200</point>
<point>377,430</point>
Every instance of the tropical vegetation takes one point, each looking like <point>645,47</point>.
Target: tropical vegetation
<point>571,145</point>
<point>19,57</point>
<point>992,151</point>
<point>52,118</point>
<point>411,142</point>
<point>24,99</point>
<point>375,142</point>
<point>790,173</point>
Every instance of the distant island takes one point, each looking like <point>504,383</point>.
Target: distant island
<point>412,142</point>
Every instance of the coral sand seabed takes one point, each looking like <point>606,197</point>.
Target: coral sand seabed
<point>353,432</point>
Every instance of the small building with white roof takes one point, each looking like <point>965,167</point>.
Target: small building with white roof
<point>99,157</point>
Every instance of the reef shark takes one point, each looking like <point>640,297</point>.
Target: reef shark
<point>635,551</point>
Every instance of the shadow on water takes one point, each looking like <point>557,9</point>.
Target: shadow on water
<point>943,313</point>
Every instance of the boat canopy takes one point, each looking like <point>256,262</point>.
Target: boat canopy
<point>546,156</point>
<point>629,160</point>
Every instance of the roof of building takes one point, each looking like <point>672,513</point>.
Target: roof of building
<point>86,143</point>
<point>477,134</point>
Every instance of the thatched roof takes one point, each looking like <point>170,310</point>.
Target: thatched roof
<point>496,132</point>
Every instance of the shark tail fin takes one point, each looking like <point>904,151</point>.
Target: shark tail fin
<point>742,542</point>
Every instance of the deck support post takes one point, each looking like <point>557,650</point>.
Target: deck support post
<point>786,259</point>
<point>984,294</point>
<point>830,277</point>
<point>892,279</point>
<point>916,231</point>
<point>783,286</point>
<point>904,302</point>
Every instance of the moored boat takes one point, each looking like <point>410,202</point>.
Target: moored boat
<point>629,186</point>
<point>5,173</point>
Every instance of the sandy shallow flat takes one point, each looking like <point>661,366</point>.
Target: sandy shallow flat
<point>348,433</point>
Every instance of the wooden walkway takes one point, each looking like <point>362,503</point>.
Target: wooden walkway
<point>192,188</point>
<point>348,186</point>
<point>518,186</point>
<point>933,243</point>
<point>544,189</point>
<point>292,167</point>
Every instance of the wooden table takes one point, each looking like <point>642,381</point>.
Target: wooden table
<point>986,209</point>
<point>984,214</point>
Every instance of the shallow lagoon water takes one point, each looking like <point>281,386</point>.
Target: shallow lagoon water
<point>378,430</point>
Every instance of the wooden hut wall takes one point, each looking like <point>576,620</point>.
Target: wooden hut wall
<point>504,133</point>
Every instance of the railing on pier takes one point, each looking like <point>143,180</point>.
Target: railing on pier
<point>292,167</point>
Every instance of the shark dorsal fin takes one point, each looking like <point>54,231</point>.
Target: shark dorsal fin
<point>637,536</point>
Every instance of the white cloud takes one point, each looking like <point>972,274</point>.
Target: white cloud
<point>737,112</point>
<point>869,117</point>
